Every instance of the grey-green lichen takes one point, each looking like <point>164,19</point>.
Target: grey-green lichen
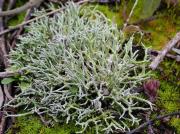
<point>80,70</point>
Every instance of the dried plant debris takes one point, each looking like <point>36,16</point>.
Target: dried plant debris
<point>79,71</point>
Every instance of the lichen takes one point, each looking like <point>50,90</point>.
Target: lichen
<point>81,71</point>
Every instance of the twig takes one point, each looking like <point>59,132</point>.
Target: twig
<point>27,17</point>
<point>124,13</point>
<point>132,10</point>
<point>2,40</point>
<point>149,129</point>
<point>4,52</point>
<point>163,53</point>
<point>10,74</point>
<point>1,98</point>
<point>2,101</point>
<point>37,18</point>
<point>2,124</point>
<point>9,7</point>
<point>7,93</point>
<point>151,121</point>
<point>11,4</point>
<point>28,5</point>
<point>57,1</point>
<point>155,53</point>
<point>46,123</point>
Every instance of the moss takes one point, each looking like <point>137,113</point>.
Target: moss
<point>20,17</point>
<point>162,30</point>
<point>144,9</point>
<point>17,19</point>
<point>176,123</point>
<point>169,97</point>
<point>113,13</point>
<point>26,125</point>
<point>32,125</point>
<point>169,92</point>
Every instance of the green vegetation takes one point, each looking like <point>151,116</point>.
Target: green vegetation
<point>145,9</point>
<point>18,18</point>
<point>110,13</point>
<point>32,125</point>
<point>162,29</point>
<point>175,122</point>
<point>81,70</point>
<point>169,92</point>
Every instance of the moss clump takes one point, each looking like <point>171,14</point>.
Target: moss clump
<point>144,9</point>
<point>175,122</point>
<point>169,97</point>
<point>114,15</point>
<point>162,30</point>
<point>169,92</point>
<point>32,125</point>
<point>19,18</point>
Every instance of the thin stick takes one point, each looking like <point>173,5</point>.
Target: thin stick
<point>10,74</point>
<point>9,7</point>
<point>46,123</point>
<point>6,92</point>
<point>154,64</point>
<point>1,98</point>
<point>124,13</point>
<point>27,17</point>
<point>26,6</point>
<point>37,18</point>
<point>155,53</point>
<point>151,121</point>
<point>132,10</point>
<point>2,124</point>
<point>11,4</point>
<point>3,50</point>
<point>149,129</point>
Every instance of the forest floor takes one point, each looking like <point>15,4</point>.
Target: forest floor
<point>156,34</point>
